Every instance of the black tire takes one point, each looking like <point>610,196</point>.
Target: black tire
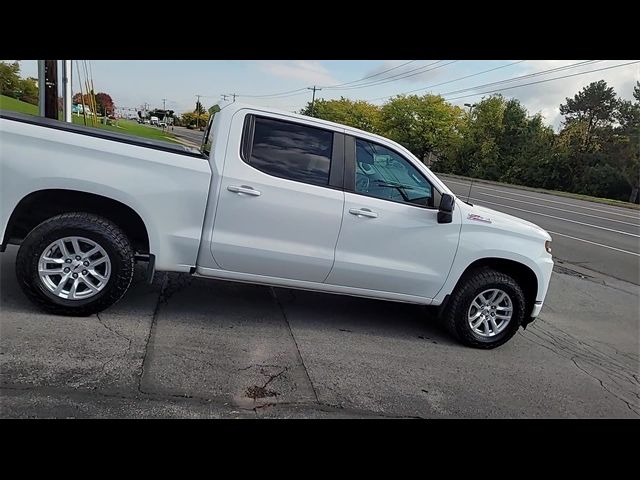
<point>454,316</point>
<point>98,229</point>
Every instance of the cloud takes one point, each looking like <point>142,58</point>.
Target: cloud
<point>309,71</point>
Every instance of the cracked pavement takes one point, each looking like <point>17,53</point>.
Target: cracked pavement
<point>191,348</point>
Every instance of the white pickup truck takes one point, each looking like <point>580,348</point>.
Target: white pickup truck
<point>271,198</point>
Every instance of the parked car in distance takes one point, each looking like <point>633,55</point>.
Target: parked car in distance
<point>272,198</point>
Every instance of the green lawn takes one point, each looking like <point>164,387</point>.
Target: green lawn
<point>8,103</point>
<point>123,126</point>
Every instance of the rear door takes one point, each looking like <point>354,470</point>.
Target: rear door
<point>281,199</point>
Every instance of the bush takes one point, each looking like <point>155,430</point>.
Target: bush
<point>605,181</point>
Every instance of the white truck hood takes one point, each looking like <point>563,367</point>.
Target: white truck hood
<point>481,215</point>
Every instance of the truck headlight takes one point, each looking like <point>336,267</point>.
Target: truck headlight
<point>547,246</point>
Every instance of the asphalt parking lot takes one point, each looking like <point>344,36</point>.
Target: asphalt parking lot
<point>192,348</point>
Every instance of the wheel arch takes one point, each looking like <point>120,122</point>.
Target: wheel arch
<point>40,205</point>
<point>521,273</point>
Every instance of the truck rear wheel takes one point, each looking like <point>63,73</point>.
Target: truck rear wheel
<point>485,310</point>
<point>75,264</point>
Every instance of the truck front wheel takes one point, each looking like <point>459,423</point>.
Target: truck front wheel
<point>75,264</point>
<point>486,309</point>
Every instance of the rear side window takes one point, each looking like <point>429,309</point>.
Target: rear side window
<point>290,150</point>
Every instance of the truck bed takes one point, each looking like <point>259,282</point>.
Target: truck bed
<point>100,133</point>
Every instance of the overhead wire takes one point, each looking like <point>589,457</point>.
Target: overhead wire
<point>450,81</point>
<point>546,80</point>
<point>370,76</point>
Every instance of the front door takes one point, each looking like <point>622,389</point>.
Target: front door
<point>278,213</point>
<point>390,239</point>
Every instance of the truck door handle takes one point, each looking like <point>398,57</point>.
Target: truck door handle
<point>363,212</point>
<point>244,189</point>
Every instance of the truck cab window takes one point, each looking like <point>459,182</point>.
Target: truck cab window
<point>382,173</point>
<point>290,150</point>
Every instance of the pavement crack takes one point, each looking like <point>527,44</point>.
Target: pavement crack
<point>154,319</point>
<point>295,342</point>
<point>112,330</point>
<point>117,333</point>
<point>604,387</point>
<point>257,365</point>
<point>573,349</point>
<point>272,377</point>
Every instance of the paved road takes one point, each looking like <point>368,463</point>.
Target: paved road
<point>599,237</point>
<point>192,136</point>
<point>187,347</point>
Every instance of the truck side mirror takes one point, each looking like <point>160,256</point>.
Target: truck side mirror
<point>445,211</point>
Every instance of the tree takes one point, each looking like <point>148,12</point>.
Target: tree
<point>28,90</point>
<point>105,104</point>
<point>624,148</point>
<point>10,79</point>
<point>199,108</point>
<point>194,119</point>
<point>81,99</point>
<point>355,113</point>
<point>423,124</point>
<point>595,106</point>
<point>161,114</point>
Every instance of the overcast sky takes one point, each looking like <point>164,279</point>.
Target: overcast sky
<point>132,83</point>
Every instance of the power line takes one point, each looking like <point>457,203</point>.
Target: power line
<point>508,80</point>
<point>449,81</point>
<point>273,94</point>
<point>546,80</point>
<point>370,76</point>
<point>522,77</point>
<point>400,76</point>
<point>300,91</point>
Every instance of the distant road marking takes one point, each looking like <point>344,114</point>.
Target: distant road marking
<point>594,243</point>
<point>559,218</point>
<point>547,200</point>
<point>561,209</point>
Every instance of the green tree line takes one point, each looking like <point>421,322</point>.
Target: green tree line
<point>12,85</point>
<point>596,152</point>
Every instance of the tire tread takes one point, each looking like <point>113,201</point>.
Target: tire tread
<point>84,221</point>
<point>454,317</point>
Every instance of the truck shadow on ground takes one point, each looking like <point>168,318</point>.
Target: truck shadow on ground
<point>301,309</point>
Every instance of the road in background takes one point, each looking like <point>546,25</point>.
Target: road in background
<point>599,237</point>
<point>191,136</point>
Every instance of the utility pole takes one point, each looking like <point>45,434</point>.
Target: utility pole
<point>313,99</point>
<point>41,88</point>
<point>164,107</point>
<point>470,105</point>
<point>234,97</point>
<point>198,113</point>
<point>66,85</point>
<point>51,89</point>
